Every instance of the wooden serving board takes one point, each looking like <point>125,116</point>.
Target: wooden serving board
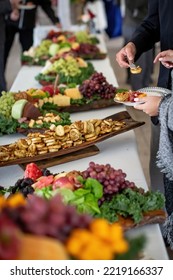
<point>97,104</point>
<point>150,217</point>
<point>90,151</point>
<point>121,116</point>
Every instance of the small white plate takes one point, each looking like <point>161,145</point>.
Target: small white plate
<point>155,91</point>
<point>150,91</point>
<point>26,7</point>
<point>128,103</point>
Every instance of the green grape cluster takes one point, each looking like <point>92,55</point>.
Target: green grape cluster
<point>6,102</point>
<point>82,37</point>
<point>68,67</point>
<point>43,48</point>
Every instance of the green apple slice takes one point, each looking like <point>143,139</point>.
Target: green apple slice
<point>17,108</point>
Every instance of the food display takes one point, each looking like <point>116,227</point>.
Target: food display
<point>79,44</point>
<point>69,69</point>
<point>129,96</point>
<point>93,93</point>
<point>62,140</point>
<point>25,109</point>
<point>53,215</point>
<point>100,191</point>
<point>39,229</point>
<point>18,114</point>
<point>81,36</point>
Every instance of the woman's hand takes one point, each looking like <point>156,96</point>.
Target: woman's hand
<point>150,105</point>
<point>166,58</point>
<point>126,55</point>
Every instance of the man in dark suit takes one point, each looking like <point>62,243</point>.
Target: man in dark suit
<point>5,7</point>
<point>157,26</point>
<point>135,12</point>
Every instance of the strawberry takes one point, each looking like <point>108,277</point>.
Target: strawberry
<point>50,89</point>
<point>32,171</point>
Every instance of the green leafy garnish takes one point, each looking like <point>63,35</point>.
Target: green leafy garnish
<point>131,203</point>
<point>8,125</point>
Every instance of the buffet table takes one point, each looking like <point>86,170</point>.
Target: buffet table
<point>120,151</point>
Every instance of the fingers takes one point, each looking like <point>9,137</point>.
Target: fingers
<point>130,50</point>
<point>121,58</point>
<point>125,55</point>
<point>167,64</point>
<point>164,56</point>
<point>140,106</point>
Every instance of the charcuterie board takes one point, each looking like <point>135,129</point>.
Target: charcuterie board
<point>124,117</point>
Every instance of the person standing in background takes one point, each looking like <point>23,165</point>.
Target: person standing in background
<point>6,7</point>
<point>64,13</point>
<point>113,17</point>
<point>156,27</point>
<point>135,12</point>
<point>23,21</point>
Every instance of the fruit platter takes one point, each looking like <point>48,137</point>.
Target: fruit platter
<point>62,140</point>
<point>19,114</point>
<point>80,44</point>
<point>46,229</point>
<point>100,191</point>
<point>26,109</point>
<point>93,93</point>
<point>70,69</point>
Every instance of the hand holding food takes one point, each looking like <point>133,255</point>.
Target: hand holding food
<point>126,55</point>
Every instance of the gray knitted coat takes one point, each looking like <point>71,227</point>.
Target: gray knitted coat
<point>165,161</point>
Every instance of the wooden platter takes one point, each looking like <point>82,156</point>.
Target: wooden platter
<point>121,116</point>
<point>45,163</point>
<point>150,217</point>
<point>96,104</point>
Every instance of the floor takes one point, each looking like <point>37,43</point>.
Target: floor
<point>142,133</point>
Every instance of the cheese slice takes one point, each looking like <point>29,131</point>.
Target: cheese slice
<point>61,100</point>
<point>73,93</point>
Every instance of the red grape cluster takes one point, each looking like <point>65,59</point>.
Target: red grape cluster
<point>97,85</point>
<point>9,239</point>
<point>48,217</point>
<point>86,48</point>
<point>113,180</point>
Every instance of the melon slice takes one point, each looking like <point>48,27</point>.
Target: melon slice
<point>41,248</point>
<point>17,108</point>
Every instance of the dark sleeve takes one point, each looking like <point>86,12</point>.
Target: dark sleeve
<point>47,8</point>
<point>5,6</point>
<point>148,33</point>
